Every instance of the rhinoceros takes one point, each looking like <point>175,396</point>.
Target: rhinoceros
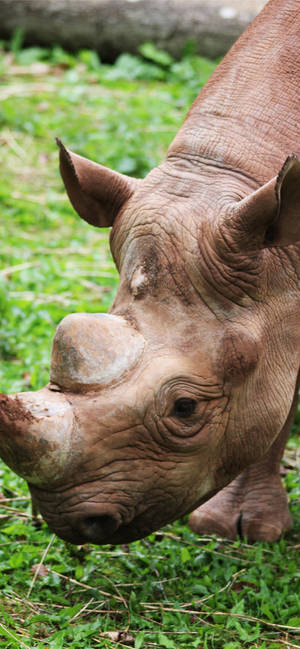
<point>181,398</point>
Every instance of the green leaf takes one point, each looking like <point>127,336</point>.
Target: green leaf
<point>150,51</point>
<point>32,55</point>
<point>79,571</point>
<point>164,641</point>
<point>57,640</point>
<point>17,559</point>
<point>139,640</point>
<point>185,555</point>
<point>266,610</point>
<point>17,40</point>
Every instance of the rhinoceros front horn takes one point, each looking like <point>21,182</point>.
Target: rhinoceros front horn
<point>93,351</point>
<point>38,429</point>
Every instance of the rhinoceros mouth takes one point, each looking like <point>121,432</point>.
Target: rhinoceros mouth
<point>101,529</point>
<point>92,523</point>
<point>104,525</point>
<point>99,524</point>
<point>124,534</point>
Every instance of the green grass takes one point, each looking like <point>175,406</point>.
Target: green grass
<point>173,589</point>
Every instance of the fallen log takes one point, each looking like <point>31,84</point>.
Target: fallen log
<point>115,26</point>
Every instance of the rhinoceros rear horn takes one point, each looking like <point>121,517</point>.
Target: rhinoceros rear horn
<point>269,216</point>
<point>93,351</point>
<point>96,193</point>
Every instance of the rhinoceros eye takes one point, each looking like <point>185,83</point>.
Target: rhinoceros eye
<point>184,407</point>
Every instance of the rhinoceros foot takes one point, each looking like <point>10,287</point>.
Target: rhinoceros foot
<point>248,508</point>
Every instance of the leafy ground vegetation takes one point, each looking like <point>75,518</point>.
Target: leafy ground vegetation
<point>173,589</point>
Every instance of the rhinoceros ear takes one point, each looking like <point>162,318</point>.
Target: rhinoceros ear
<point>96,193</point>
<point>270,216</point>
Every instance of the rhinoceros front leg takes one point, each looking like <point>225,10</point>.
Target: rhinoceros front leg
<point>255,504</point>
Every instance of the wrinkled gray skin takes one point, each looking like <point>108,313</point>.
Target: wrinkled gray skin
<point>191,379</point>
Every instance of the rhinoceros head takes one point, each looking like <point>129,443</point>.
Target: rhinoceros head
<point>154,407</point>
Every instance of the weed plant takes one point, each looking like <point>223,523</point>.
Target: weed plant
<point>173,589</point>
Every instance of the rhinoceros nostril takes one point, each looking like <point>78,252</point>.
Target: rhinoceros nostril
<point>98,528</point>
